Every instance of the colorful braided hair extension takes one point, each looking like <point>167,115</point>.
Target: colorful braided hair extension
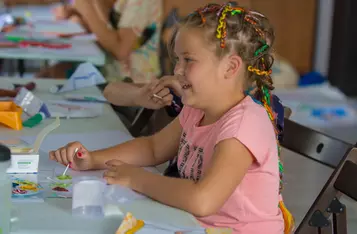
<point>260,69</point>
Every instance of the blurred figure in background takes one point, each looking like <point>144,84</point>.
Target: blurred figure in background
<point>128,31</point>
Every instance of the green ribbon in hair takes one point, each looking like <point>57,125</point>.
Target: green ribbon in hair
<point>261,49</point>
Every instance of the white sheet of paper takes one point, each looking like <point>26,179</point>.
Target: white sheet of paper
<point>70,109</point>
<point>91,141</point>
<point>86,75</point>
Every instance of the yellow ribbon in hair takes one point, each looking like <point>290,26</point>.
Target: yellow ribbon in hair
<point>289,222</point>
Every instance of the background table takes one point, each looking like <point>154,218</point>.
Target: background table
<point>54,215</point>
<point>34,12</point>
<point>81,51</point>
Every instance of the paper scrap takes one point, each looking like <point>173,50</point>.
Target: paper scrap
<point>130,224</point>
<point>86,75</point>
<point>68,109</point>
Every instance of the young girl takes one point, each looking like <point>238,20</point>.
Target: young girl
<point>228,155</point>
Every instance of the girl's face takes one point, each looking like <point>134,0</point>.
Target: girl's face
<point>201,72</point>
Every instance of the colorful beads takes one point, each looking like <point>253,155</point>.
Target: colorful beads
<point>221,31</point>
<point>259,72</point>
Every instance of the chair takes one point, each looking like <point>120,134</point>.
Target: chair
<point>312,144</point>
<point>327,214</point>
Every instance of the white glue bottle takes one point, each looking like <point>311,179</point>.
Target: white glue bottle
<point>5,190</point>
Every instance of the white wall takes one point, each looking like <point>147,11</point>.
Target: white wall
<point>323,36</point>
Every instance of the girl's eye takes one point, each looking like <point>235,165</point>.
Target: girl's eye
<point>188,59</point>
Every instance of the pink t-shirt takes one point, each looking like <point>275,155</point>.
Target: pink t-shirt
<point>253,206</point>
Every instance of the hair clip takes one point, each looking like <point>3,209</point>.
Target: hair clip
<point>259,72</point>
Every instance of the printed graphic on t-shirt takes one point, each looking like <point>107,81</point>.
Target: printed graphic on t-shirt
<point>191,163</point>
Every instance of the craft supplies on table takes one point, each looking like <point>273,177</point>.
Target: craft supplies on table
<point>10,115</point>
<point>28,161</point>
<point>26,189</point>
<point>131,225</point>
<point>17,42</point>
<point>24,163</point>
<point>30,103</point>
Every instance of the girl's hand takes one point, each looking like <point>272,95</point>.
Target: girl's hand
<point>66,155</point>
<point>121,173</point>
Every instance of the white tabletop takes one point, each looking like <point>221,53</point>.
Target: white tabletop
<point>54,215</point>
<point>81,50</point>
<point>34,12</point>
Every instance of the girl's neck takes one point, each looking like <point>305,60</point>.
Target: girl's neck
<point>215,111</point>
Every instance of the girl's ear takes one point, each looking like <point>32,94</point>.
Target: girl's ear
<point>234,65</point>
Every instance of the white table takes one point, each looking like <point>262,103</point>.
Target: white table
<point>54,215</point>
<point>81,50</point>
<point>34,12</point>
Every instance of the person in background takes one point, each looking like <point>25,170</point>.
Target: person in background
<point>226,141</point>
<point>128,31</point>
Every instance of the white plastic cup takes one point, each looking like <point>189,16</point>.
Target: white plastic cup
<point>88,197</point>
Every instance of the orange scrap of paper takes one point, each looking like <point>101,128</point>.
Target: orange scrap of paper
<point>130,225</point>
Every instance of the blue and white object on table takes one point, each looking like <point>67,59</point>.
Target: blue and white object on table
<point>30,103</point>
<point>5,19</point>
<point>86,75</point>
